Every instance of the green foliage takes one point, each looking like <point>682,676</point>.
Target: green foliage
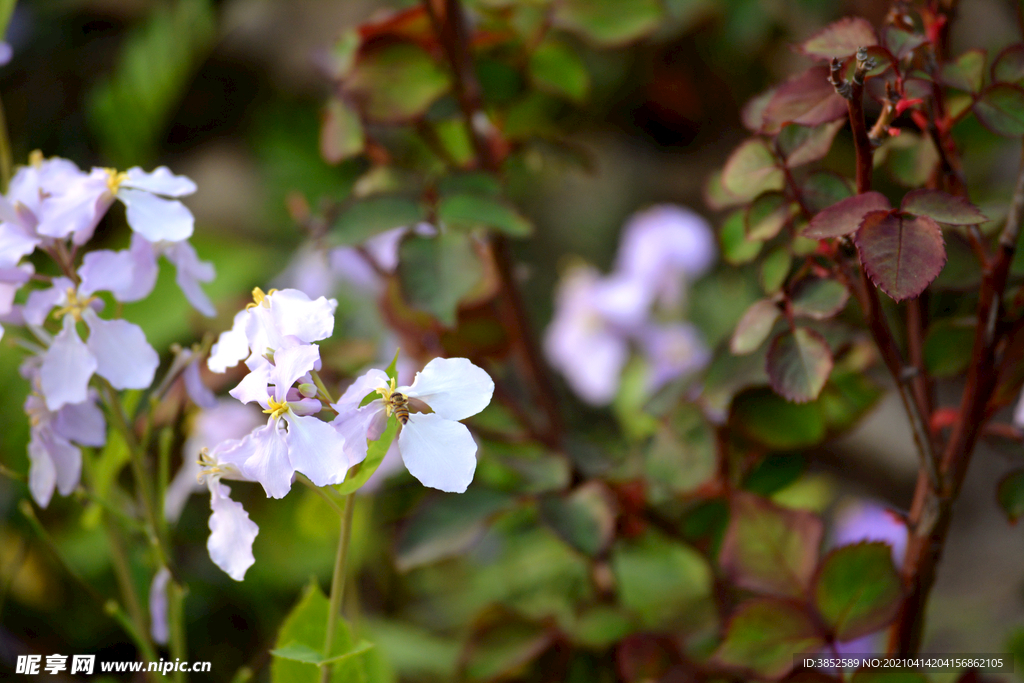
<point>767,418</point>
<point>857,590</point>
<point>464,211</point>
<point>609,22</point>
<point>375,453</point>
<point>557,68</point>
<point>584,518</point>
<point>1010,495</point>
<point>763,636</point>
<point>365,218</point>
<point>799,363</point>
<point>436,273</point>
<point>755,326</point>
<point>395,82</point>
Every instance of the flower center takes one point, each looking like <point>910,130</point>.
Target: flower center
<point>211,467</point>
<point>114,179</point>
<point>260,299</point>
<point>74,305</point>
<point>277,408</point>
<point>395,403</point>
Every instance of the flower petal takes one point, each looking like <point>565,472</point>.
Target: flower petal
<point>123,355</point>
<point>253,386</point>
<point>439,452</point>
<point>453,387</point>
<point>316,450</point>
<point>82,423</point>
<point>67,366</point>
<point>294,314</point>
<point>155,218</point>
<point>41,301</point>
<point>158,606</point>
<point>268,460</point>
<point>190,271</point>
<point>15,243</point>
<point>159,181</point>
<point>231,347</point>
<point>42,475</point>
<point>231,533</point>
<point>290,364</point>
<point>365,384</point>
<point>194,387</point>
<point>355,426</point>
<point>107,270</point>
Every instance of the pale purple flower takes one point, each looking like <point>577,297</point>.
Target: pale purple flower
<point>437,449</point>
<point>672,351</point>
<point>158,627</point>
<point>279,318</point>
<point>231,531</point>
<point>865,520</point>
<point>664,247</point>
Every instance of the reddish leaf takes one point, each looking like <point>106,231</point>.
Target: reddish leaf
<point>396,81</point>
<point>767,214</point>
<point>818,298</point>
<point>901,43</point>
<point>770,549</point>
<point>751,170</point>
<point>844,217</point>
<point>410,24</point>
<point>966,73</point>
<point>808,99</point>
<point>763,636</point>
<point>752,114</point>
<point>840,39</point>
<point>942,207</point>
<point>798,364</point>
<point>802,144</point>
<point>341,132</point>
<point>1008,66</point>
<point>1000,108</point>
<point>754,327</point>
<point>901,253</point>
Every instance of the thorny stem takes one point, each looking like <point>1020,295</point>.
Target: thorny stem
<point>337,583</point>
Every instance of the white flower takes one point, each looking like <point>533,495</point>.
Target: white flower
<point>436,448</point>
<point>231,531</point>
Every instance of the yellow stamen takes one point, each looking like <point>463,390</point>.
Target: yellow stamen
<point>114,179</point>
<point>260,299</point>
<point>276,409</point>
<point>36,158</point>
<point>74,306</point>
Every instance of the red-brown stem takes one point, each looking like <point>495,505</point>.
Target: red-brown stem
<point>917,322</point>
<point>451,29</point>
<point>861,142</point>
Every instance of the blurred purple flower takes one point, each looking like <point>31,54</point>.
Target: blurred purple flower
<point>865,520</point>
<point>673,351</point>
<point>158,627</point>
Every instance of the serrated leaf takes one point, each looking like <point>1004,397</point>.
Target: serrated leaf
<point>767,214</point>
<point>754,327</point>
<point>807,99</point>
<point>840,39</point>
<point>446,526</point>
<point>1000,108</point>
<point>585,518</point>
<point>845,217</point>
<point>609,23</point>
<point>368,217</point>
<point>818,298</point>
<point>472,212</point>
<point>764,635</point>
<point>1010,494</point>
<point>948,346</point>
<point>435,273</point>
<point>765,417</point>
<point>857,590</point>
<point>736,247</point>
<point>396,81</point>
<point>822,189</point>
<point>799,363</point>
<point>752,169</point>
<point>1008,66</point>
<point>359,474</point>
<point>965,73</point>
<point>942,207</point>
<point>770,549</point>
<point>801,145</point>
<point>558,69</point>
<point>341,132</point>
<point>901,253</point>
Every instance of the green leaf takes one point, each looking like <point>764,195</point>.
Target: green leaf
<point>1010,494</point>
<point>846,398</point>
<point>770,549</point>
<point>911,158</point>
<point>774,473</point>
<point>801,145</point>
<point>818,298</point>
<point>901,253</point>
<point>658,578</point>
<point>109,462</point>
<point>769,419</point>
<point>948,345</point>
<point>844,217</point>
<point>437,272</point>
<point>507,647</point>
<point>752,169</point>
<point>396,81</point>
<point>447,525</point>
<point>767,215</point>
<point>585,518</point>
<point>474,182</point>
<point>1008,66</point>
<point>368,217</point>
<point>558,69</point>
<point>840,39</point>
<point>392,369</point>
<point>942,207</point>
<point>472,212</point>
<point>754,327</point>
<point>966,73</point>
<point>301,641</point>
<point>1000,108</point>
<point>857,590</point>
<point>763,636</point>
<point>799,363</point>
<point>609,23</point>
<point>822,189</point>
<point>736,247</point>
<point>341,132</point>
<point>360,473</point>
<point>774,270</point>
<point>415,653</point>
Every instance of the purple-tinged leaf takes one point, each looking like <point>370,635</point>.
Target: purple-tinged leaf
<point>857,590</point>
<point>901,253</point>
<point>1000,108</point>
<point>396,82</point>
<point>798,364</point>
<point>818,298</point>
<point>754,327</point>
<point>845,217</point>
<point>918,87</point>
<point>770,549</point>
<point>822,189</point>
<point>808,99</point>
<point>764,634</point>
<point>1008,66</point>
<point>883,61</point>
<point>840,39</point>
<point>901,43</point>
<point>1010,494</point>
<point>942,207</point>
<point>801,145</point>
<point>752,114</point>
<point>767,214</point>
<point>751,170</point>
<point>967,73</point>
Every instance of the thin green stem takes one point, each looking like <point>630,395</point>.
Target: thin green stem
<point>6,163</point>
<point>123,574</point>
<point>333,499</point>
<point>337,584</point>
<point>176,616</point>
<point>324,394</point>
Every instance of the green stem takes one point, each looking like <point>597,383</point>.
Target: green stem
<point>333,499</point>
<point>176,617</point>
<point>324,394</point>
<point>6,163</point>
<point>337,583</point>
